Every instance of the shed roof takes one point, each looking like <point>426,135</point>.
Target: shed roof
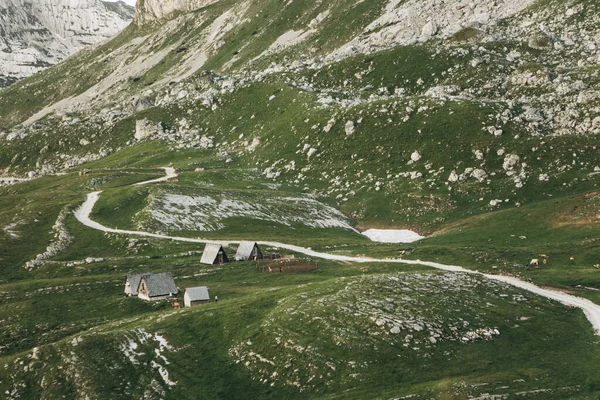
<point>161,284</point>
<point>245,250</point>
<point>197,293</point>
<point>210,253</point>
<point>134,280</point>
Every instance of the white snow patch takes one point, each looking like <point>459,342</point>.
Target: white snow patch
<point>11,229</point>
<point>392,235</point>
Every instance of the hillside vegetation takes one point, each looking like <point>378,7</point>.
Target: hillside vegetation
<point>307,123</point>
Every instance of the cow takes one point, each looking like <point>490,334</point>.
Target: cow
<point>177,305</point>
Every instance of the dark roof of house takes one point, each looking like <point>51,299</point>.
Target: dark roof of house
<point>245,249</point>
<point>134,280</point>
<point>197,293</point>
<point>161,284</point>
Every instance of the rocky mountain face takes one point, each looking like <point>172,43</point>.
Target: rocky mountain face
<point>155,10</point>
<point>37,34</point>
<point>520,74</point>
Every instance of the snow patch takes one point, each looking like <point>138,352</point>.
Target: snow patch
<point>392,235</point>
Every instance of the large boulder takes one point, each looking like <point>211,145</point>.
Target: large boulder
<point>349,127</point>
<point>145,129</point>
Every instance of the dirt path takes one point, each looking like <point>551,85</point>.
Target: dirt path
<point>591,310</point>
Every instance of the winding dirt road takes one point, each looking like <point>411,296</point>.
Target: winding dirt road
<point>591,310</point>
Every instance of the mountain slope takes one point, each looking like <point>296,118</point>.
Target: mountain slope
<point>495,108</point>
<point>473,123</point>
<point>34,36</point>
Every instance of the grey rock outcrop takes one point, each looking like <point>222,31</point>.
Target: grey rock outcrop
<point>37,34</point>
<point>154,10</point>
<point>145,129</point>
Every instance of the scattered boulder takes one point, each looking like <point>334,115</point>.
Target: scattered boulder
<point>539,41</point>
<point>144,103</point>
<point>453,176</point>
<point>443,91</point>
<point>478,154</point>
<point>510,161</point>
<point>532,114</point>
<point>329,125</point>
<point>349,127</point>
<point>429,30</point>
<point>17,135</point>
<point>479,174</point>
<point>92,260</point>
<point>495,202</point>
<point>145,129</point>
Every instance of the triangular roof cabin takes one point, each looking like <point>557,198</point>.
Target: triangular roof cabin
<point>157,286</point>
<point>248,251</point>
<point>214,254</point>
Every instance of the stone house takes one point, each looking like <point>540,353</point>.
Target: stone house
<point>157,286</point>
<point>196,296</point>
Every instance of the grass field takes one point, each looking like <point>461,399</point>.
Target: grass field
<point>485,142</point>
<point>74,313</point>
<point>83,326</point>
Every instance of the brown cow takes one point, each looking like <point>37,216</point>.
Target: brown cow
<point>177,305</point>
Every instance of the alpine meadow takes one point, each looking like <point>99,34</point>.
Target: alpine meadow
<point>300,199</point>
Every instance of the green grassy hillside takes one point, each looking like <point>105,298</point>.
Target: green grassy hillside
<point>307,123</point>
<point>413,332</point>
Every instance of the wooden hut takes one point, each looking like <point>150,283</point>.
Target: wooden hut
<point>214,254</point>
<point>248,251</point>
<point>196,296</point>
<point>157,286</point>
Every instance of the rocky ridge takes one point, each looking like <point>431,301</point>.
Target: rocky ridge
<point>36,35</point>
<point>534,71</point>
<point>149,11</point>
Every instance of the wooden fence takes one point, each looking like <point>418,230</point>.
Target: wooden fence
<point>287,265</point>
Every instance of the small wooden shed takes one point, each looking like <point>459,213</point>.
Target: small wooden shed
<point>157,286</point>
<point>132,281</point>
<point>196,296</point>
<point>248,251</point>
<point>214,254</point>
